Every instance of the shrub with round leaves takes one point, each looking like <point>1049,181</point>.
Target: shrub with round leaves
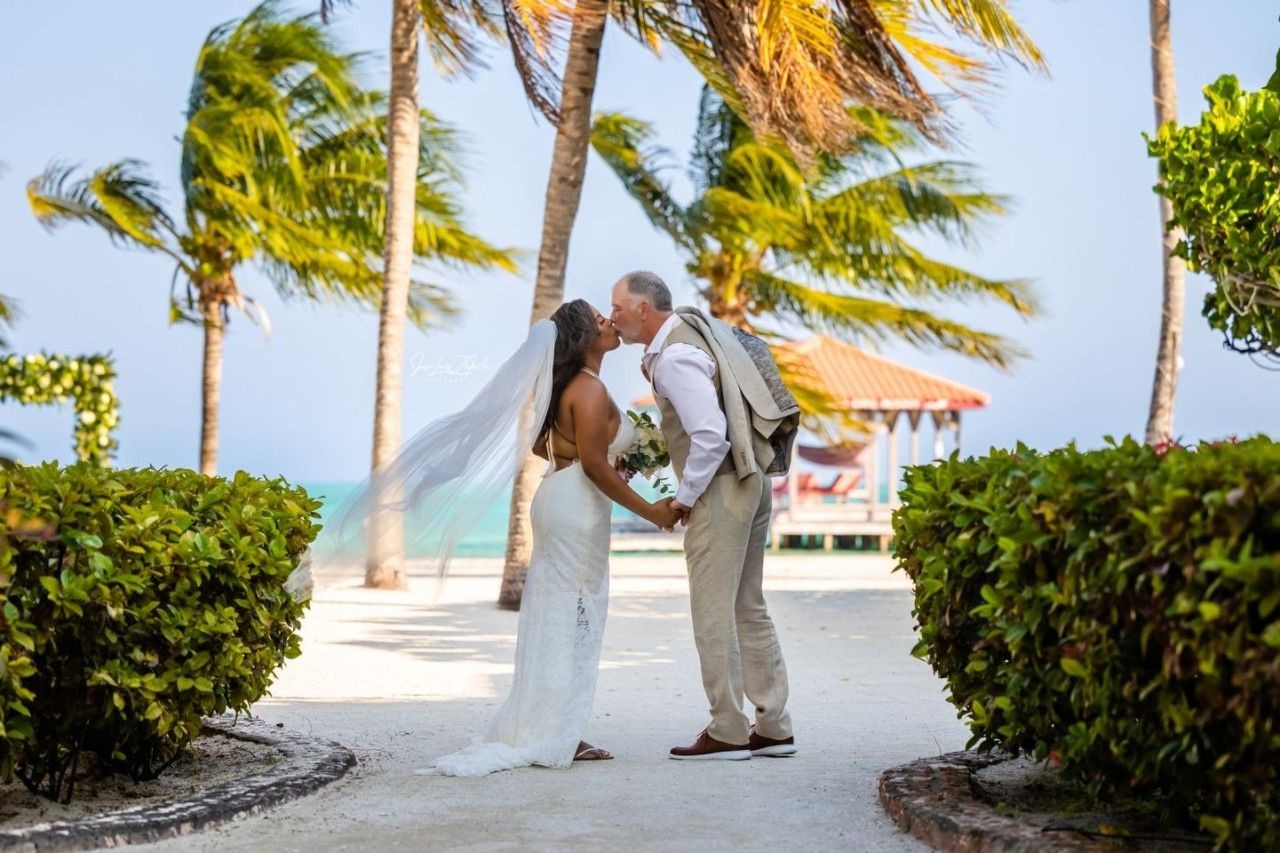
<point>1222,177</point>
<point>153,597</point>
<point>85,381</point>
<point>1117,608</point>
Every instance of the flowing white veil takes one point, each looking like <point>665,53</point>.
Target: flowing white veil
<point>444,477</point>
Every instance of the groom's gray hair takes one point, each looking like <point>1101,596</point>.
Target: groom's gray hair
<point>649,286</point>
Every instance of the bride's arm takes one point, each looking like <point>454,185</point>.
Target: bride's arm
<point>591,408</point>
<point>540,446</point>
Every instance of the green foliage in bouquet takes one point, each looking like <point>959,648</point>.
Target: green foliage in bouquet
<point>85,381</point>
<point>1223,179</point>
<point>648,454</point>
<point>1117,608</point>
<point>136,602</point>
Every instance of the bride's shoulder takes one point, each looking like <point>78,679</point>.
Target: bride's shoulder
<point>584,389</point>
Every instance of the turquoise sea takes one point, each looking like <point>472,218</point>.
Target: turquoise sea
<point>489,537</point>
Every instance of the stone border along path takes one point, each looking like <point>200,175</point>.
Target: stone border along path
<point>308,764</point>
<point>933,800</point>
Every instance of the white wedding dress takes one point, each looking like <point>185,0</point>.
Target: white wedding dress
<point>561,625</point>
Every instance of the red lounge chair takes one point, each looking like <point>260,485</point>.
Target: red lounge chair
<point>842,486</point>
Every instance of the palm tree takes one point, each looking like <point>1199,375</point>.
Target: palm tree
<point>828,247</point>
<point>450,28</point>
<point>788,68</point>
<point>1164,386</point>
<point>283,167</point>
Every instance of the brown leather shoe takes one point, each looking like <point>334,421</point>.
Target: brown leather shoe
<point>769,747</point>
<point>707,748</point>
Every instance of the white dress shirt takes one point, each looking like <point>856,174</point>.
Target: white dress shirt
<point>683,374</point>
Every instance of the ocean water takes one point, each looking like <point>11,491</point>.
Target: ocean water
<point>489,536</point>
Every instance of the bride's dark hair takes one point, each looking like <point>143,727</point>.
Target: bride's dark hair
<point>576,332</point>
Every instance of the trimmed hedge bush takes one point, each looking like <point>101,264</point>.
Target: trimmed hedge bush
<point>150,598</point>
<point>1119,609</point>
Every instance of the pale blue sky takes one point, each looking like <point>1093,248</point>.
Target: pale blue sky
<point>94,82</point>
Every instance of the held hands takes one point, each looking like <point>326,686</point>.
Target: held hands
<point>667,512</point>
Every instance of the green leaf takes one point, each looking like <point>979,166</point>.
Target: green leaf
<point>1072,666</point>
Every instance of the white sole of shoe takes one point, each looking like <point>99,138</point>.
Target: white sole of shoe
<point>727,755</point>
<point>782,750</point>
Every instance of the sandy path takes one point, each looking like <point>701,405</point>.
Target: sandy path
<point>401,678</point>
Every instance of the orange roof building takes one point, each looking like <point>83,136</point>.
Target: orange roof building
<point>880,392</point>
<point>867,382</point>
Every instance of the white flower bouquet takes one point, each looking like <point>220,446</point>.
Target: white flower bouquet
<point>647,455</point>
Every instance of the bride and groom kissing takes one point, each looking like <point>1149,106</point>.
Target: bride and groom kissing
<point>729,423</point>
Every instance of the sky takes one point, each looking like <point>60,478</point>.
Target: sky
<point>92,83</point>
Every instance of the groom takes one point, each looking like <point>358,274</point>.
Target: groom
<point>727,519</point>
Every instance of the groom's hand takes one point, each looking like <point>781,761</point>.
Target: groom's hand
<point>665,516</point>
<point>682,511</point>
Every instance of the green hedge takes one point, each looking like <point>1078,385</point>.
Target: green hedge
<point>1118,608</point>
<point>152,597</point>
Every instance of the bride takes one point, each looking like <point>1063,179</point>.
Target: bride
<point>548,398</point>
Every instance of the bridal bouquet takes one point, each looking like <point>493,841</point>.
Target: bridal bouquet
<point>647,455</point>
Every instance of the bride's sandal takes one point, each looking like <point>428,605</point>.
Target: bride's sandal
<point>587,752</point>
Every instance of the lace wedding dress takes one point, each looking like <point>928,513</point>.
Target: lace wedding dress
<point>561,626</point>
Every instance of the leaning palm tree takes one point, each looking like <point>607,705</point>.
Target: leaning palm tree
<point>1164,386</point>
<point>786,67</point>
<point>830,246</point>
<point>284,168</point>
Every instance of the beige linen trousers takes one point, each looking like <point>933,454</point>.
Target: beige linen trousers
<point>724,549</point>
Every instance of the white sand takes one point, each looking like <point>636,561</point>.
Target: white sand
<point>401,678</point>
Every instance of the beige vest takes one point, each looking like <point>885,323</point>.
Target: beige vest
<point>678,441</point>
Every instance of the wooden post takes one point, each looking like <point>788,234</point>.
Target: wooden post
<point>894,418</point>
<point>793,490</point>
<point>914,418</point>
<point>775,541</point>
<point>938,420</point>
<point>955,424</point>
<point>873,488</point>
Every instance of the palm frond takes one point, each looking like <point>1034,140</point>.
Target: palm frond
<point>10,313</point>
<point>714,135</point>
<point>454,32</point>
<point>867,321</point>
<point>746,225</point>
<point>939,197</point>
<point>536,33</point>
<point>639,19</point>
<point>432,306</point>
<point>328,7</point>
<point>626,146</point>
<point>935,34</point>
<point>796,64</point>
<point>990,24</point>
<point>120,199</point>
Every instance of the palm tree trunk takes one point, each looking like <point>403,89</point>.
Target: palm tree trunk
<point>1163,389</point>
<point>564,191</point>
<point>210,383</point>
<point>384,562</point>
